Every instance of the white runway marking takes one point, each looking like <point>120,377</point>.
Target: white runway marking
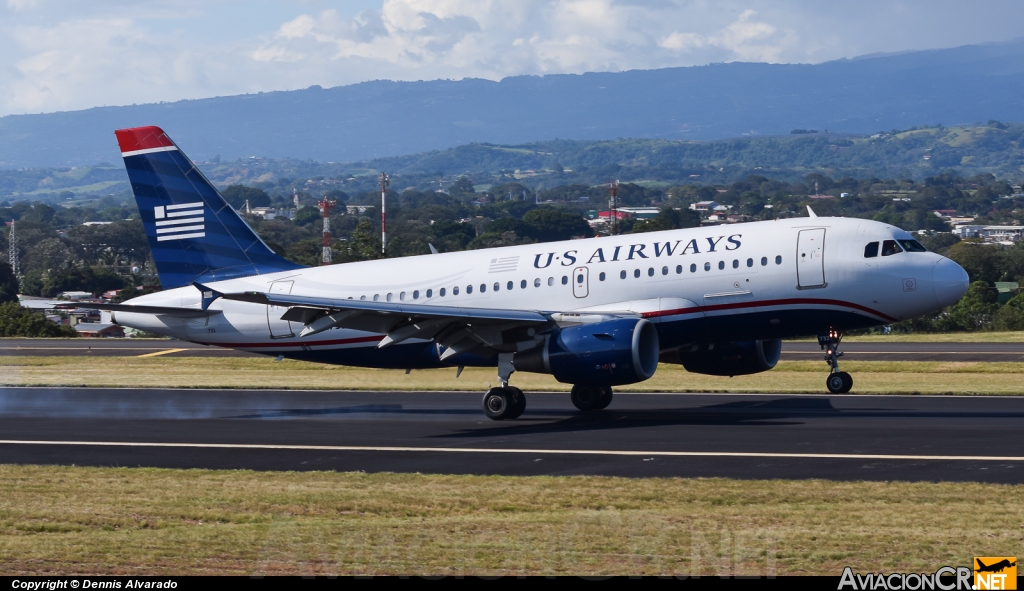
<point>578,452</point>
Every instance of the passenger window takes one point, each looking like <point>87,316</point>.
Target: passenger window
<point>889,247</point>
<point>636,273</point>
<point>707,266</point>
<point>401,296</point>
<point>536,282</point>
<point>750,262</point>
<point>693,268</point>
<point>509,285</point>
<point>679,269</point>
<point>469,289</point>
<point>416,294</point>
<point>601,277</point>
<point>912,246</point>
<point>778,259</point>
<point>650,272</point>
<point>441,293</point>
<point>497,286</point>
<point>455,290</point>
<point>622,274</point>
<point>376,297</point>
<point>483,288</point>
<point>764,261</point>
<point>871,250</point>
<point>735,264</point>
<point>565,279</point>
<point>522,284</point>
<point>664,270</point>
<point>551,281</point>
<point>721,265</point>
<point>389,297</point>
<point>430,293</point>
<point>362,298</point>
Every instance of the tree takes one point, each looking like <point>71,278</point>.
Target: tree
<point>90,279</point>
<point>307,215</point>
<point>236,195</point>
<point>668,219</point>
<point>974,311</point>
<point>981,261</point>
<point>548,224</point>
<point>8,284</point>
<point>463,186</point>
<point>16,321</point>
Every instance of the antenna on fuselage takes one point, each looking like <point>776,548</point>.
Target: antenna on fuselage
<point>810,212</point>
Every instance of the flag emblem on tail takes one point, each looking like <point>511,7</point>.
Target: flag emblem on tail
<point>177,222</point>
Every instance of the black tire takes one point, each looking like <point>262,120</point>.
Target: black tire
<point>606,398</point>
<point>498,403</point>
<point>587,397</point>
<point>520,403</point>
<point>835,382</point>
<point>847,382</point>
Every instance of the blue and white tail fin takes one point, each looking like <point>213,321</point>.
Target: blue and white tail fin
<point>193,233</point>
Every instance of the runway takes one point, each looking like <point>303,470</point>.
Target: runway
<point>921,438</point>
<point>791,350</point>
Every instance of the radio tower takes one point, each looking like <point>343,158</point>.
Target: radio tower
<point>385,180</point>
<point>12,241</point>
<point>613,218</point>
<point>325,208</point>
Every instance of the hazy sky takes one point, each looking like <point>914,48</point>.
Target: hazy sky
<point>66,54</point>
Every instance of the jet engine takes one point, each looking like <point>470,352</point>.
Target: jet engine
<point>729,359</point>
<point>608,353</point>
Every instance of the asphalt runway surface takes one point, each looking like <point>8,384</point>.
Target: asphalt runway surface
<point>791,350</point>
<point>917,438</point>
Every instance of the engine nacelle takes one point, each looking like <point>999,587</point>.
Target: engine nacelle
<point>730,359</point>
<point>609,353</point>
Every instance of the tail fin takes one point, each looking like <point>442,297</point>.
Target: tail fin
<point>193,233</point>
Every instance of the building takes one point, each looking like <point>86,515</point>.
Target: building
<point>704,206</point>
<point>272,213</point>
<point>1001,234</point>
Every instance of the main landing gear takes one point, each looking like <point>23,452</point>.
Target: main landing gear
<point>508,402</point>
<point>838,382</point>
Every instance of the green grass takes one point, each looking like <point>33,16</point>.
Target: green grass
<point>71,520</point>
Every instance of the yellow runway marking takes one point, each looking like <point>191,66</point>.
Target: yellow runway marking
<point>577,452</point>
<point>164,352</point>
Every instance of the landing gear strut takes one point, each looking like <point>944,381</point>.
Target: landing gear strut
<point>504,402</point>
<point>591,397</point>
<point>838,382</point>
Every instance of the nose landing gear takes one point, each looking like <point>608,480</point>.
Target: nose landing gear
<point>838,382</point>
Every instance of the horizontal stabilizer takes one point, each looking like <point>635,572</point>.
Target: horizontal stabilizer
<point>156,310</point>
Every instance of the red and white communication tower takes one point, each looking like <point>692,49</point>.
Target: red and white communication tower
<point>325,208</point>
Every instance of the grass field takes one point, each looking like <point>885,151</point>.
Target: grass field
<point>871,377</point>
<point>134,521</point>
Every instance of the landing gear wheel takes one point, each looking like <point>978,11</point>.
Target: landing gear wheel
<point>839,382</point>
<point>588,397</point>
<point>520,403</point>
<point>499,404</point>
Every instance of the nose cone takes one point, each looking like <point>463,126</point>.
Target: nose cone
<point>950,281</point>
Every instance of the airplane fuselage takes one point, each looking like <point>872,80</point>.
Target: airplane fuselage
<point>748,281</point>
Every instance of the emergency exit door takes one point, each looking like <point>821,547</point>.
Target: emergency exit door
<point>580,282</point>
<point>810,259</point>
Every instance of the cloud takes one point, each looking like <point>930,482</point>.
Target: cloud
<point>57,55</point>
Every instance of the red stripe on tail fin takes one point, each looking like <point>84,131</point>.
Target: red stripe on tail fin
<point>142,138</point>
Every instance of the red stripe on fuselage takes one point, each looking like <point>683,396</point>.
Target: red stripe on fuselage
<point>142,138</point>
<point>768,303</point>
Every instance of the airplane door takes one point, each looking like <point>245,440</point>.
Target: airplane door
<point>279,329</point>
<point>580,282</point>
<point>810,259</point>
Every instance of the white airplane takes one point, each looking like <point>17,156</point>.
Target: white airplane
<point>595,313</point>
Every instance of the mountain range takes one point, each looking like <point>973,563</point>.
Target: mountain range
<point>384,118</point>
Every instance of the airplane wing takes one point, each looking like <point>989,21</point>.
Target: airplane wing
<point>459,329</point>
<point>157,310</point>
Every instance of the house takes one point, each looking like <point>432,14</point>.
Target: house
<point>98,330</point>
<point>704,206</point>
<point>272,213</point>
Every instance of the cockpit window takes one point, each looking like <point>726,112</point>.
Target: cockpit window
<point>912,246</point>
<point>871,250</point>
<point>889,247</point>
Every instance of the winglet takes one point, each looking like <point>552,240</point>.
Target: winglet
<point>810,212</point>
<point>208,295</point>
